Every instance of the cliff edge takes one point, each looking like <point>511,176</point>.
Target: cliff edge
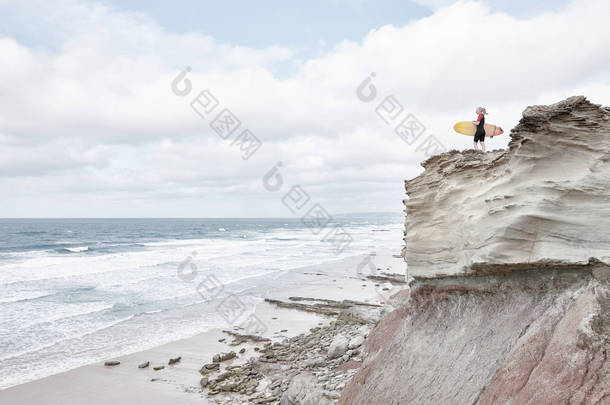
<point>509,252</point>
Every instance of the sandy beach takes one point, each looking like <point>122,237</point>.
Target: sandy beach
<point>180,383</point>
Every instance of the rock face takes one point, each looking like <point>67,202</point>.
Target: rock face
<point>509,250</point>
<point>546,198</point>
<point>533,338</point>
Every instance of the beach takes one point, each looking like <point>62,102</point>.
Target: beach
<point>344,279</point>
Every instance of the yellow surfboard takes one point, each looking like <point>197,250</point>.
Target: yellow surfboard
<point>468,128</point>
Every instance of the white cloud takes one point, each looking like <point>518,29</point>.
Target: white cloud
<point>434,4</point>
<point>93,118</point>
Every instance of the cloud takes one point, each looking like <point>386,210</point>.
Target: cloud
<point>434,4</point>
<point>90,116</point>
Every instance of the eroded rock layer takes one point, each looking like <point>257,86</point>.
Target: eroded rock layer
<point>523,338</point>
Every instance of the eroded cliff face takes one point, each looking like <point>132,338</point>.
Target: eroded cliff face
<point>546,198</point>
<point>533,339</point>
<point>510,303</point>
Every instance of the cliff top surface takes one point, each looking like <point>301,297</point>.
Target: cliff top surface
<point>535,119</point>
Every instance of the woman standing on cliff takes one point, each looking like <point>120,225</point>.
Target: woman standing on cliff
<point>479,135</point>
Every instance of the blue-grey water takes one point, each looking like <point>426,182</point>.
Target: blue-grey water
<point>76,291</point>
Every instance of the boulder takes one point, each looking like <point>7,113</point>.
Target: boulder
<point>338,347</point>
<point>208,368</point>
<point>303,391</point>
<point>356,342</point>
<point>315,362</point>
<point>223,357</point>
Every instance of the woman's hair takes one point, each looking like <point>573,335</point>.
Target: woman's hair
<point>481,110</point>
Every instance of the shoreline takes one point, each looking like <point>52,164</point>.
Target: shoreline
<point>99,384</point>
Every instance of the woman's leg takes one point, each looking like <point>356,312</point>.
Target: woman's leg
<point>483,146</point>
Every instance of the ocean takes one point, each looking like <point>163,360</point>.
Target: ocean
<point>78,291</point>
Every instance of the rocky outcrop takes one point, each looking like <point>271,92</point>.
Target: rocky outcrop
<point>307,369</point>
<point>544,200</point>
<point>509,252</point>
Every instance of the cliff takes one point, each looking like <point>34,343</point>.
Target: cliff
<point>509,252</point>
<point>545,199</point>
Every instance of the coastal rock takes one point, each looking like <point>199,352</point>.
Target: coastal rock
<point>209,367</point>
<point>223,357</point>
<point>364,330</point>
<point>144,365</point>
<point>397,279</point>
<point>265,379</point>
<point>111,363</point>
<point>281,361</point>
<point>544,200</point>
<point>338,347</point>
<point>355,342</point>
<point>174,360</point>
<point>239,379</point>
<point>315,362</point>
<point>303,391</point>
<point>324,306</point>
<point>239,338</point>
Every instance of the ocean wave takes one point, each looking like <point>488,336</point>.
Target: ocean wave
<point>77,249</point>
<point>67,338</point>
<point>90,332</point>
<point>60,313</point>
<point>24,296</point>
<point>30,233</point>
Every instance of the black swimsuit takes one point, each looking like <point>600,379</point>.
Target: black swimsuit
<point>479,135</point>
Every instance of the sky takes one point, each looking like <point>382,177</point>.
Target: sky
<point>120,108</point>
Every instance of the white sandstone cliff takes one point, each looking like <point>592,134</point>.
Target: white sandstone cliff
<point>546,198</point>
